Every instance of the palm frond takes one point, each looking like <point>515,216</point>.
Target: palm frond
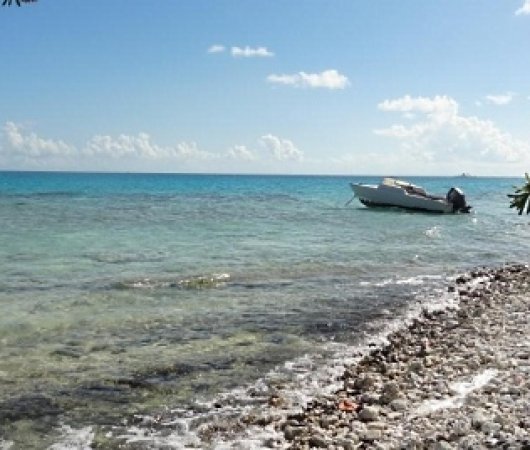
<point>521,197</point>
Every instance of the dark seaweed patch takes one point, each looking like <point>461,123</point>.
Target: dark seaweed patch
<point>28,407</point>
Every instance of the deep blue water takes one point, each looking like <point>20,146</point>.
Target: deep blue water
<point>123,294</point>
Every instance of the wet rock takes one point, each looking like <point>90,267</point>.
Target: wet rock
<point>28,407</point>
<point>70,352</point>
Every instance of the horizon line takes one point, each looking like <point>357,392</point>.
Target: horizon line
<point>112,172</point>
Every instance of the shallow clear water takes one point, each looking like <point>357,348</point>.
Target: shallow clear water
<point>124,294</point>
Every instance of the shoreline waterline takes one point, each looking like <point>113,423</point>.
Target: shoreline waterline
<point>452,377</point>
<point>409,391</point>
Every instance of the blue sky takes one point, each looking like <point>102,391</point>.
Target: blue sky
<point>335,87</point>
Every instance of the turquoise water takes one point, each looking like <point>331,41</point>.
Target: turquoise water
<point>123,295</point>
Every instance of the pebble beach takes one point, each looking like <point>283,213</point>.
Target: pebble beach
<point>454,378</point>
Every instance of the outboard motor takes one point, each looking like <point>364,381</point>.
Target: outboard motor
<point>456,197</point>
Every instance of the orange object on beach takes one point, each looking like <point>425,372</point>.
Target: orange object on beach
<point>347,405</point>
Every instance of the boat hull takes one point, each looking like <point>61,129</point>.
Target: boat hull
<point>391,196</point>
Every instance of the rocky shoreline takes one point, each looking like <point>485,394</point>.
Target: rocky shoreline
<point>456,378</point>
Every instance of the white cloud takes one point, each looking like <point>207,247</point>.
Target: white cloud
<point>124,146</point>
<point>438,105</point>
<point>281,149</point>
<point>24,149</point>
<point>500,99</point>
<point>525,9</point>
<point>190,151</point>
<point>30,145</point>
<point>141,147</point>
<point>441,134</point>
<point>329,79</point>
<point>216,48</point>
<point>241,152</point>
<point>249,52</point>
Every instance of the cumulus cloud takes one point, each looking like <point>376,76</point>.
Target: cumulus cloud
<point>123,146</point>
<point>523,10</point>
<point>438,105</point>
<point>441,133</point>
<point>248,52</point>
<point>328,79</point>
<point>20,143</point>
<point>23,149</point>
<point>216,48</point>
<point>500,99</point>
<point>281,149</point>
<point>189,150</point>
<point>241,152</point>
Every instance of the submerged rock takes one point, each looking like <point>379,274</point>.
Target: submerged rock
<point>28,407</point>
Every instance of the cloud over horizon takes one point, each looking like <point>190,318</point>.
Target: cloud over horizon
<point>23,149</point>
<point>440,133</point>
<point>328,79</point>
<point>281,149</point>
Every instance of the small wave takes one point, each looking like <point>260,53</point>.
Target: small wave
<point>295,382</point>
<point>6,445</point>
<point>119,258</point>
<point>461,390</point>
<point>198,282</point>
<point>433,232</point>
<point>72,438</point>
<point>413,281</point>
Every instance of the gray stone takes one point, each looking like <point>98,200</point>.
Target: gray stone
<point>477,420</point>
<point>461,427</point>
<point>399,404</point>
<point>390,391</point>
<point>369,413</point>
<point>376,425</point>
<point>443,445</point>
<point>370,398</point>
<point>318,442</point>
<point>348,442</point>
<point>416,366</point>
<point>490,427</point>
<point>370,435</point>
<point>364,382</point>
<point>327,421</point>
<point>291,432</point>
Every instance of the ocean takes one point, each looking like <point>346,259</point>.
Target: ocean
<point>127,297</point>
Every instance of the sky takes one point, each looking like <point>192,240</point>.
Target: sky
<point>344,87</point>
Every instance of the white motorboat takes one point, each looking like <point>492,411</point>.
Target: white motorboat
<point>402,194</point>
